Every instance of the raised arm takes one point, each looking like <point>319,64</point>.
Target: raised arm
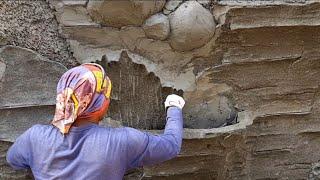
<point>147,149</point>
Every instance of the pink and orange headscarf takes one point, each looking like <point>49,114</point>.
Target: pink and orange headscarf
<point>83,92</point>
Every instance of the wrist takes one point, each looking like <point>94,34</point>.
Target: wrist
<point>172,108</point>
<point>173,111</point>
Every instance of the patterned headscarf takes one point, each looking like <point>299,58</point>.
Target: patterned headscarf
<point>83,92</point>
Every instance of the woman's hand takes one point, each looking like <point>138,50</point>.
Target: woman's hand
<point>174,100</point>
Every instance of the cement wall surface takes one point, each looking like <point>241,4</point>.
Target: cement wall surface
<point>256,62</point>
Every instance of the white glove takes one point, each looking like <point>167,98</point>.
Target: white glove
<point>174,100</point>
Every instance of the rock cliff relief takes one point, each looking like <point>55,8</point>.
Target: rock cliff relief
<point>251,62</point>
<point>25,98</point>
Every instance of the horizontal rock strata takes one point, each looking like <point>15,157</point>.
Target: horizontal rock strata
<point>255,61</point>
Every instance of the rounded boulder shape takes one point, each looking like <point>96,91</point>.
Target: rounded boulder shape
<point>171,5</point>
<point>192,26</point>
<point>157,27</point>
<point>122,13</point>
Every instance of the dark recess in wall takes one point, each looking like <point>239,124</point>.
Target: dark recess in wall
<point>137,95</point>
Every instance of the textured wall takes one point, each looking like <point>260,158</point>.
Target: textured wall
<point>32,24</point>
<point>257,58</point>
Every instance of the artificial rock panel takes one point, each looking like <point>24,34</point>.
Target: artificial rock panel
<point>261,59</point>
<point>27,90</point>
<point>20,83</point>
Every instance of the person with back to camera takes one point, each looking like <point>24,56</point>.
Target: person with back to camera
<point>76,147</point>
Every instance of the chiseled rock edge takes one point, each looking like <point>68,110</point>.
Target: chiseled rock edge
<point>245,119</point>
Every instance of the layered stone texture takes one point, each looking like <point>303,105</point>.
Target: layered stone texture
<point>27,88</point>
<point>254,62</point>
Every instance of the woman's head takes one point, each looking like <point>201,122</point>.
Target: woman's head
<point>83,93</point>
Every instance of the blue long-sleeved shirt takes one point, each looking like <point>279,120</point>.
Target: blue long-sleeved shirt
<point>94,152</point>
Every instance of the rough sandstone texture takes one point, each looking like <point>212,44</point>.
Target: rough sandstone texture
<point>259,63</point>
<point>192,26</point>
<point>122,13</point>
<point>157,27</point>
<point>171,6</point>
<point>21,79</point>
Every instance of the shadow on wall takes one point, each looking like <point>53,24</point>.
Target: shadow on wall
<point>137,95</point>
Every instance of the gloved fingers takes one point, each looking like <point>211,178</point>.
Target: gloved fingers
<point>174,100</point>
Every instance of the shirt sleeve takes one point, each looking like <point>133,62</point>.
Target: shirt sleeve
<point>18,154</point>
<point>147,149</point>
